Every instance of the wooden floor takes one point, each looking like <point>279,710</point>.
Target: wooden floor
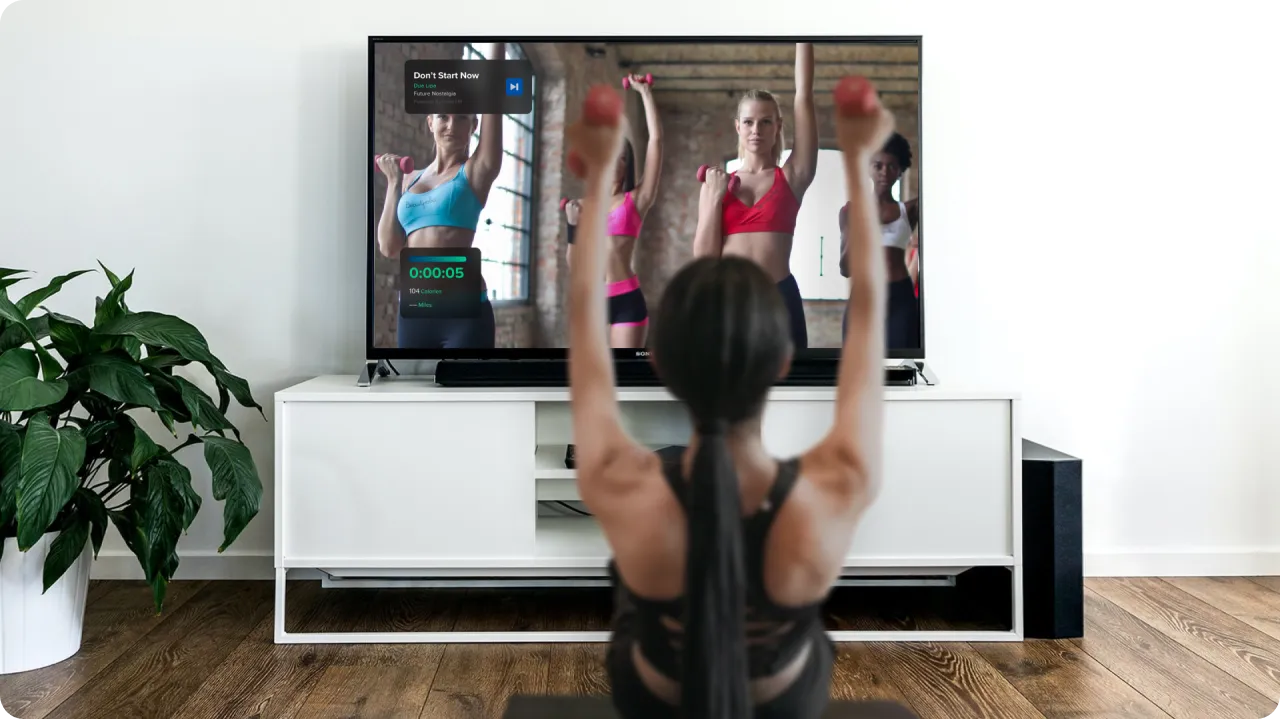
<point>1185,648</point>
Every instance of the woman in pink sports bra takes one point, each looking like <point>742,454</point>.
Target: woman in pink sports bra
<point>632,198</point>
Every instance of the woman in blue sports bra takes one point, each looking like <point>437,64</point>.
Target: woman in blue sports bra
<point>722,564</point>
<point>898,223</point>
<point>439,207</point>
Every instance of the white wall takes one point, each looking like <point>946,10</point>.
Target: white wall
<point>1072,252</point>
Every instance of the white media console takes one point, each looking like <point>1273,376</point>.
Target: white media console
<point>409,483</point>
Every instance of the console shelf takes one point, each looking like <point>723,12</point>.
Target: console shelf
<point>407,482</point>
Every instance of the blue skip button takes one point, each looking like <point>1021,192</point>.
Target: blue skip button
<point>515,86</point>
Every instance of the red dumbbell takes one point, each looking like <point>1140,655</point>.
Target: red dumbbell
<point>647,79</point>
<point>406,163</point>
<point>733,179</point>
<point>564,202</point>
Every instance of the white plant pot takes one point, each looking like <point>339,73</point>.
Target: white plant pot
<point>39,628</point>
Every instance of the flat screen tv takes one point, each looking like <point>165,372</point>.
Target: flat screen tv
<point>471,204</point>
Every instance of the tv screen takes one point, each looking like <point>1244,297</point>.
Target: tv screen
<point>472,207</point>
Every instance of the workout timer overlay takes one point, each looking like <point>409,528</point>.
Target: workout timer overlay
<point>520,247</point>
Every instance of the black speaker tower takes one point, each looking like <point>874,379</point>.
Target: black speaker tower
<point>1052,543</point>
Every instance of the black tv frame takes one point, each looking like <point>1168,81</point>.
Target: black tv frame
<point>809,356</point>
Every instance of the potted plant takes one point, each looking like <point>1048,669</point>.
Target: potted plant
<point>74,458</point>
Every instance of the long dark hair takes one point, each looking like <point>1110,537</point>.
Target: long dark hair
<point>629,173</point>
<point>721,340</point>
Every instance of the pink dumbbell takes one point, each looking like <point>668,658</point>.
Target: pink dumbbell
<point>647,79</point>
<point>733,179</point>
<point>406,163</point>
<point>564,202</point>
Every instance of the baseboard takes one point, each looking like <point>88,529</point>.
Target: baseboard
<point>1245,562</point>
<point>121,564</point>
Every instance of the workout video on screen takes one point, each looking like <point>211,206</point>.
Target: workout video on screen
<point>475,211</point>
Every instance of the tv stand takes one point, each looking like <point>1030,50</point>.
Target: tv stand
<point>409,484</point>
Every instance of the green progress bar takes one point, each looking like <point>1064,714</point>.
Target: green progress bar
<point>437,259</point>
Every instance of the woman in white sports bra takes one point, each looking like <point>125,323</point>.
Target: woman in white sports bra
<point>898,221</point>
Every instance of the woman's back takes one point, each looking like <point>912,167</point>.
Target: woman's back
<point>788,654</point>
<point>722,565</point>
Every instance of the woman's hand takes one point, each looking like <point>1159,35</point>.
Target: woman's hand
<point>715,184</point>
<point>863,125</point>
<point>638,84</point>
<point>390,166</point>
<point>572,211</point>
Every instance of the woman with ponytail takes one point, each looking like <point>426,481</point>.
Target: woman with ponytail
<point>721,564</point>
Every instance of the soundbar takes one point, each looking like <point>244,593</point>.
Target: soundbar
<point>629,373</point>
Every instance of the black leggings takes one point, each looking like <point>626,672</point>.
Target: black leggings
<point>902,316</point>
<point>795,308</point>
<point>426,333</point>
<point>806,698</point>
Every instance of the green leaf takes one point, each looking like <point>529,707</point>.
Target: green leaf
<point>144,449</point>
<point>112,277</point>
<point>179,477</point>
<point>167,418</point>
<point>160,585</point>
<point>155,328</point>
<point>160,520</point>
<point>50,459</point>
<point>235,480</point>
<point>117,472</point>
<point>237,386</point>
<point>91,506</point>
<point>10,471</point>
<point>70,337</point>
<point>16,335</point>
<point>126,522</point>
<point>33,299</point>
<point>170,395</point>
<point>11,313</point>
<point>120,379</point>
<point>49,366</point>
<point>133,347</point>
<point>94,403</point>
<point>162,359</point>
<point>96,433</point>
<point>203,412</point>
<point>10,272</point>
<point>65,550</point>
<point>112,306</point>
<point>19,389</point>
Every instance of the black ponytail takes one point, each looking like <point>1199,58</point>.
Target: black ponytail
<point>721,339</point>
<point>714,678</point>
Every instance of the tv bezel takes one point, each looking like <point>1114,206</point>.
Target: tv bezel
<point>560,353</point>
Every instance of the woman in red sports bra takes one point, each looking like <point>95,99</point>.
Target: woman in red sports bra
<point>628,312</point>
<point>759,220</point>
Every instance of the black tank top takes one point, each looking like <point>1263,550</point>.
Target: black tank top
<point>775,634</point>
